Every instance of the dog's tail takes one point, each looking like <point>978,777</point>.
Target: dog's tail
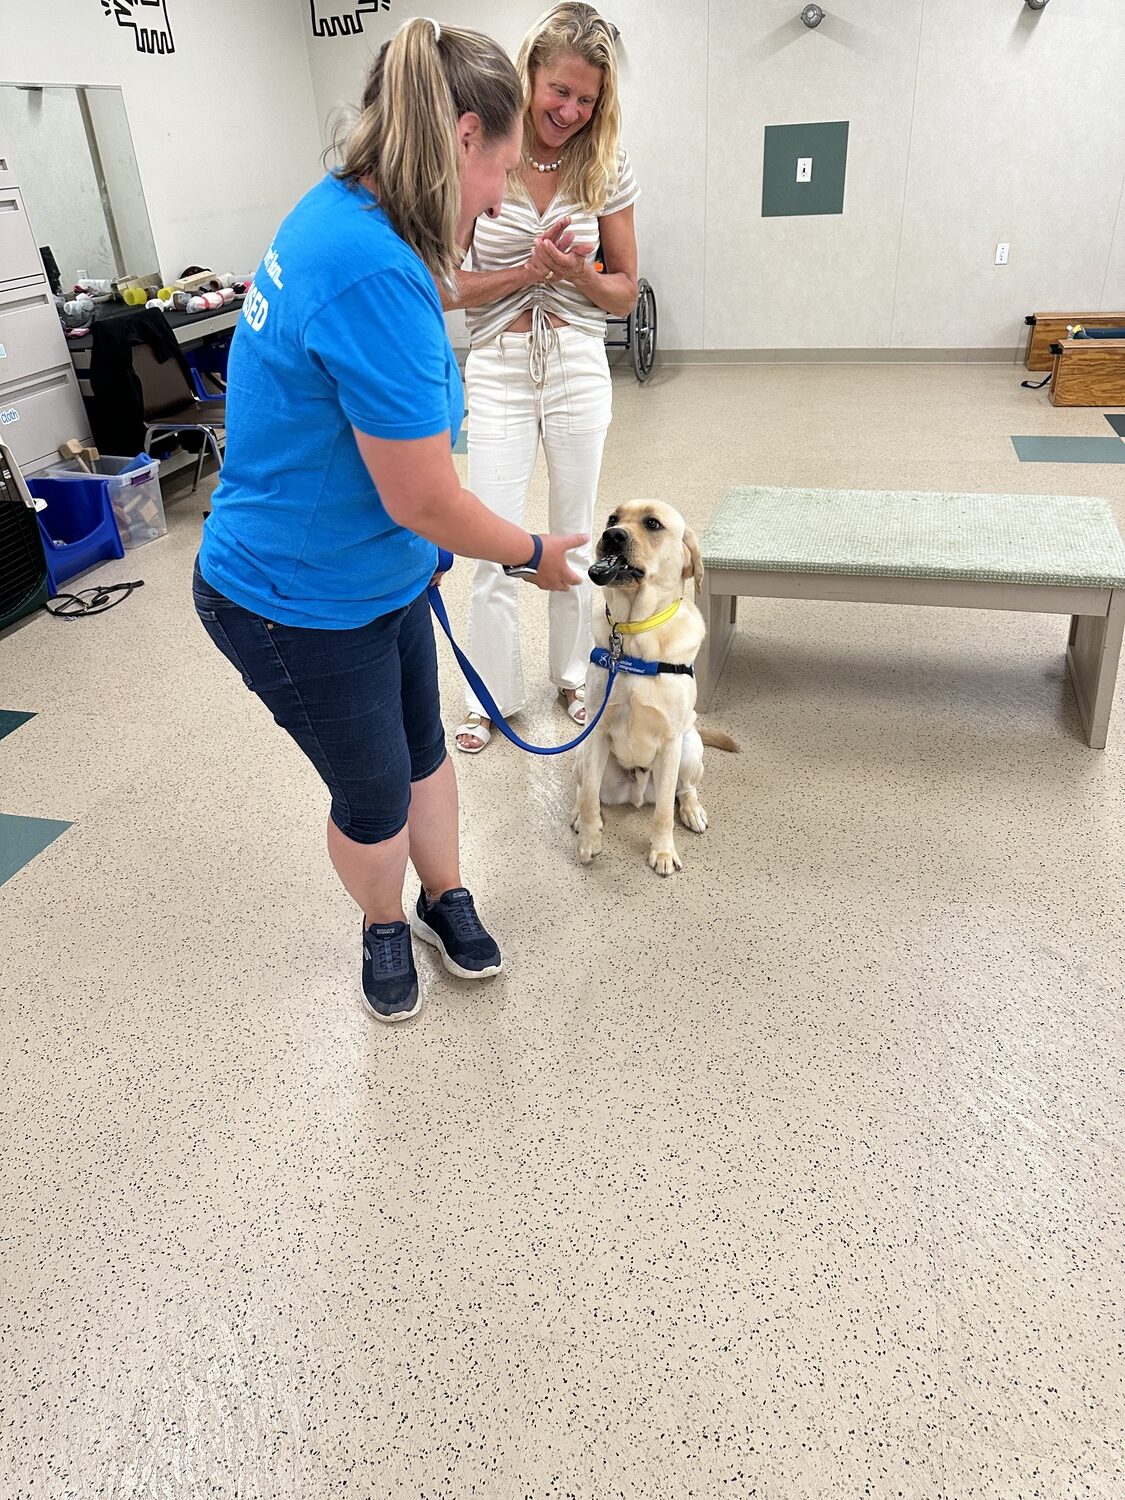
<point>718,740</point>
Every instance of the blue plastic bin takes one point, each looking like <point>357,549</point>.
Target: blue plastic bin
<point>78,527</point>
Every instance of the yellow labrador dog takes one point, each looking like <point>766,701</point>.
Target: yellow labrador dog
<point>646,747</point>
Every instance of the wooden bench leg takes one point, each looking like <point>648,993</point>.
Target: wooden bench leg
<point>720,611</point>
<point>1092,654</point>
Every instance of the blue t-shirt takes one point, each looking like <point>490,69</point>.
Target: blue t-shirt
<point>343,328</point>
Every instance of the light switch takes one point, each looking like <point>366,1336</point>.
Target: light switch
<point>804,169</point>
<point>1002,253</point>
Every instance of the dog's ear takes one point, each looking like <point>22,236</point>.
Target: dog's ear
<point>693,562</point>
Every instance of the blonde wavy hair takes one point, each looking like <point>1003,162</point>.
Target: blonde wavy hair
<point>423,80</point>
<point>588,173</point>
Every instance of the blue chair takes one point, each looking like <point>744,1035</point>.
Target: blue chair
<point>77,527</point>
<point>208,362</point>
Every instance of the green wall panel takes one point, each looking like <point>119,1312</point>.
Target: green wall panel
<point>827,144</point>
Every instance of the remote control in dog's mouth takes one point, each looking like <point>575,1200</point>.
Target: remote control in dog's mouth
<point>613,570</point>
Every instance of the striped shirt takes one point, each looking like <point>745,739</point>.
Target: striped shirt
<point>506,241</point>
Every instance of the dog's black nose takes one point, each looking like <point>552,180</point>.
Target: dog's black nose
<point>615,537</point>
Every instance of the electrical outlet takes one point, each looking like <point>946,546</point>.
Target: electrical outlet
<point>1002,253</point>
<point>804,169</point>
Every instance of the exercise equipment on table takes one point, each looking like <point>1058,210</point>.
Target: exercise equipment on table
<point>1047,328</point>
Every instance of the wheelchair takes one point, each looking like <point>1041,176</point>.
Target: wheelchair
<point>638,330</point>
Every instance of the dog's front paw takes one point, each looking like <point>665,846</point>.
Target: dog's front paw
<point>665,861</point>
<point>589,843</point>
<point>692,814</point>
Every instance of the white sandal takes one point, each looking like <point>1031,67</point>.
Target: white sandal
<point>576,706</point>
<point>475,727</point>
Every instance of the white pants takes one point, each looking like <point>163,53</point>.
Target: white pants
<point>508,412</point>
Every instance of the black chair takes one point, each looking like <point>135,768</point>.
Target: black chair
<point>171,407</point>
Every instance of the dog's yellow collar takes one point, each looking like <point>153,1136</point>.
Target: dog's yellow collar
<point>634,627</point>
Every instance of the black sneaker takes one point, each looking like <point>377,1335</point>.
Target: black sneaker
<point>452,926</point>
<point>390,980</point>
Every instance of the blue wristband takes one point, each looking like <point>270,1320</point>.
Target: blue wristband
<point>530,568</point>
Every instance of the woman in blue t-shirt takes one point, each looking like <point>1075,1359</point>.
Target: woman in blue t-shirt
<point>344,400</point>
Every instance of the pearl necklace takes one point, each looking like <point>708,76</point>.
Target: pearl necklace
<point>551,166</point>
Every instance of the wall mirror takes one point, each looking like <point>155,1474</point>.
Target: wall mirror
<point>72,153</point>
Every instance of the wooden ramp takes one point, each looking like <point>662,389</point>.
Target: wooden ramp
<point>1088,372</point>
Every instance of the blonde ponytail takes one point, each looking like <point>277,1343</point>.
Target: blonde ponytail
<point>406,138</point>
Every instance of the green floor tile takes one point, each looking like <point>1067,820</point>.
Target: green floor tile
<point>1116,420</point>
<point>21,839</point>
<point>1075,450</point>
<point>12,718</point>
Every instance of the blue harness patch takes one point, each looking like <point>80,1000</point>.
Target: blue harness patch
<point>603,657</point>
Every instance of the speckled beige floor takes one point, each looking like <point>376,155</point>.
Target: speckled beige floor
<point>798,1175</point>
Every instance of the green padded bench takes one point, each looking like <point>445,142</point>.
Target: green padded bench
<point>1050,554</point>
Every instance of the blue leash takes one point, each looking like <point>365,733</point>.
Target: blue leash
<point>473,677</point>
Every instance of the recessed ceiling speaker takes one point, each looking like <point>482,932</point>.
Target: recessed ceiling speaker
<point>812,15</point>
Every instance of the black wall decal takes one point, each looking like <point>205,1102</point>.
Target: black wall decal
<point>330,19</point>
<point>148,21</point>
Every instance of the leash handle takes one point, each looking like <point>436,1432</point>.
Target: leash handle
<point>473,678</point>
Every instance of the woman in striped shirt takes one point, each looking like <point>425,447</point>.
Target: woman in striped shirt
<point>536,310</point>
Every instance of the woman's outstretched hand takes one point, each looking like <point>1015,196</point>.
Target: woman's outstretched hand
<point>554,572</point>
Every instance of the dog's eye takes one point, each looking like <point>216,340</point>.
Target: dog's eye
<point>612,521</point>
<point>653,524</point>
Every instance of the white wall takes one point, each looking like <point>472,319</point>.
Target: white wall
<point>972,122</point>
<point>224,127</point>
<point>1019,134</point>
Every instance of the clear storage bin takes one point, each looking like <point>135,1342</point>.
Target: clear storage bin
<point>134,493</point>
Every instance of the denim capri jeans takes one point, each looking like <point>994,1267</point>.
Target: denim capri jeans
<point>362,704</point>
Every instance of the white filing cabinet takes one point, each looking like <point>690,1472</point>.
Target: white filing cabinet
<point>40,404</point>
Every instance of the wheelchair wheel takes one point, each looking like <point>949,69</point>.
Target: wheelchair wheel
<point>642,331</point>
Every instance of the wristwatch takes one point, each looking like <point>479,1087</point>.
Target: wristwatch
<point>527,569</point>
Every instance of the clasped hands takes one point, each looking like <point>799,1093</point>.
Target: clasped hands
<point>556,257</point>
